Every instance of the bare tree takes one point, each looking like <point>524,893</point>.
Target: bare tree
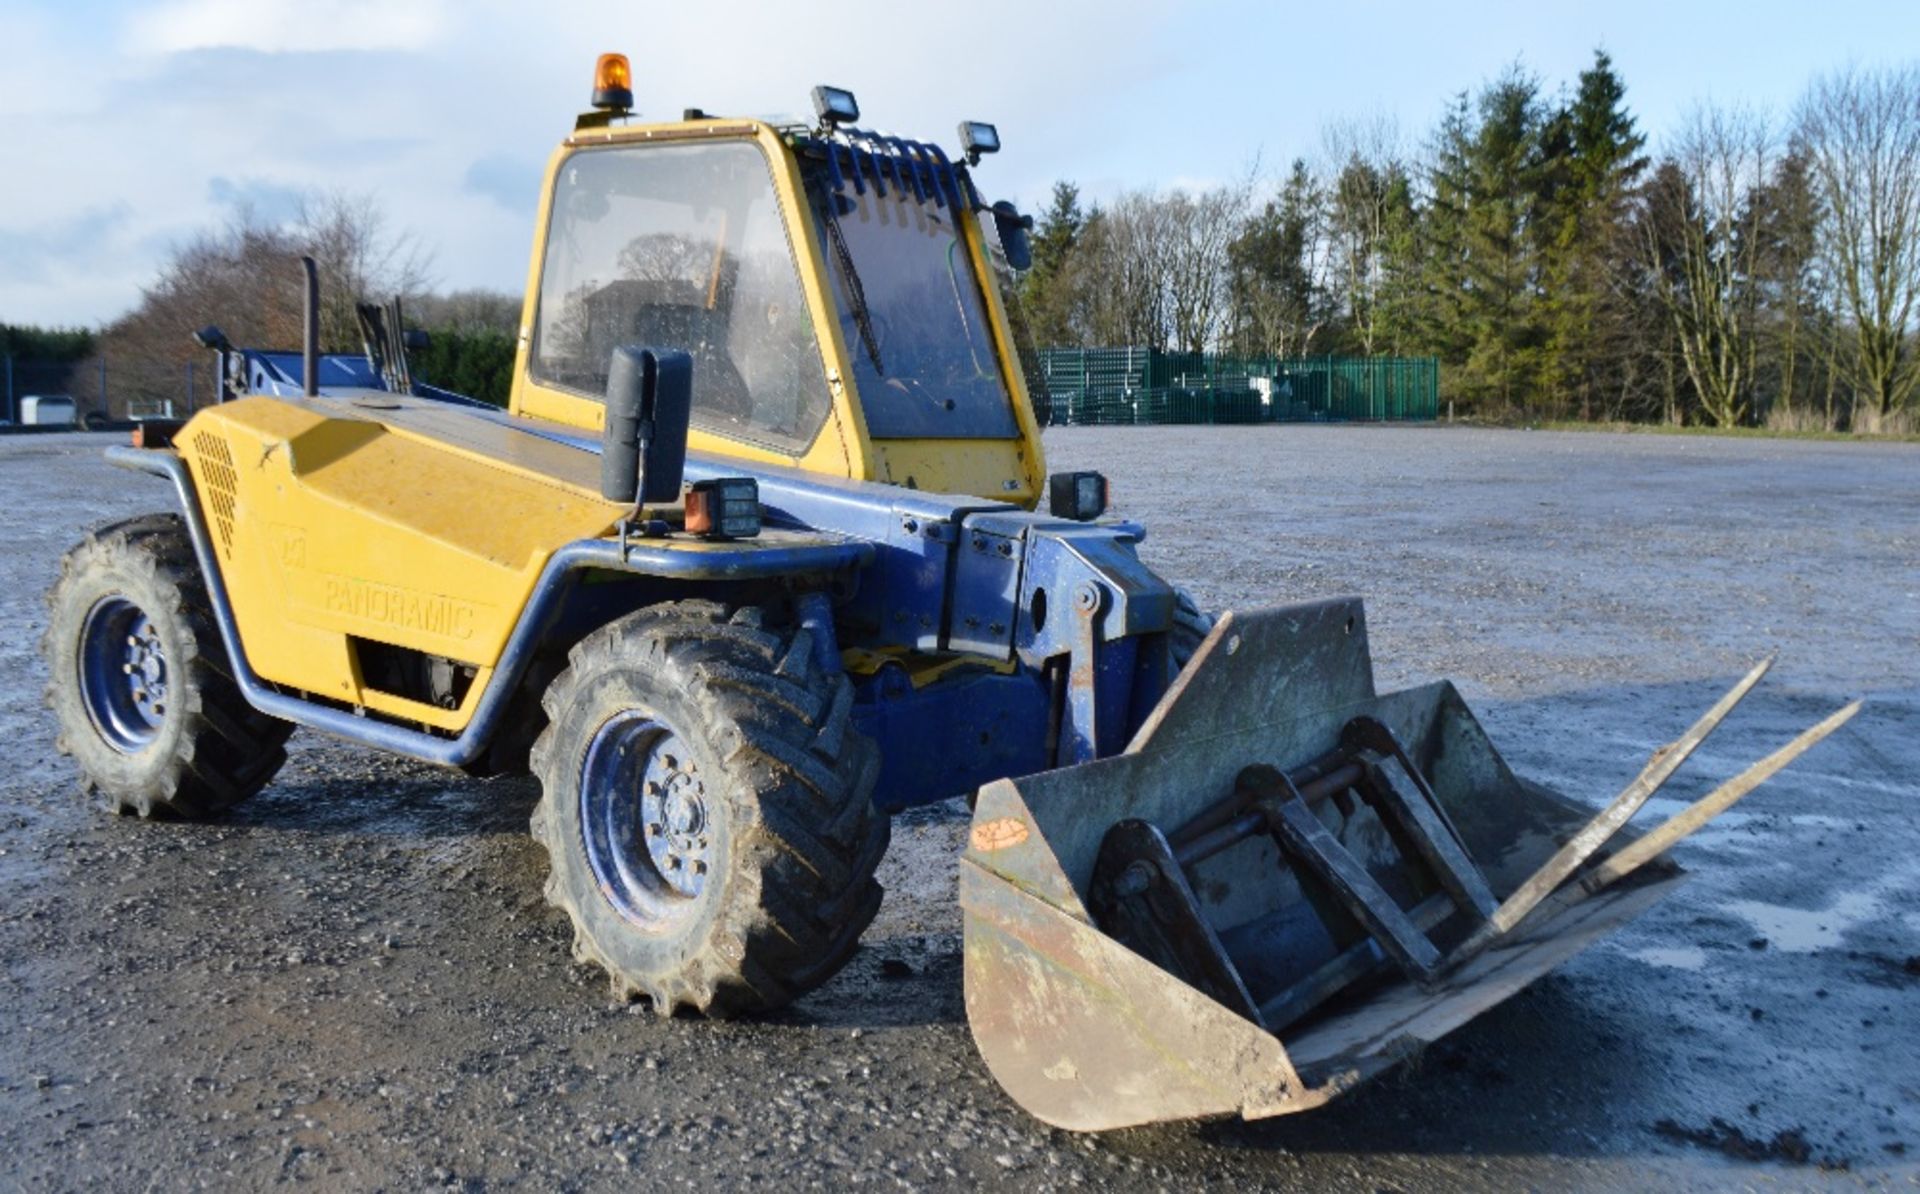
<point>1157,269</point>
<point>239,277</point>
<point>243,278</point>
<point>1862,131</point>
<point>1201,230</point>
<point>359,258</point>
<point>1122,263</point>
<point>1701,251</point>
<point>1367,202</point>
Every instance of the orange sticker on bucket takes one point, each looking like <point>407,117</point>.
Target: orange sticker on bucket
<point>999,833</point>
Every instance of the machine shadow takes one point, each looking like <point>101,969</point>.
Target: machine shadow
<point>902,982</point>
<point>346,792</point>
<point>1499,1086</point>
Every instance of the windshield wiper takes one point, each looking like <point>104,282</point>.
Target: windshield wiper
<point>856,293</point>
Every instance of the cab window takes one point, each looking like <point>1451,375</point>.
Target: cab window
<point>681,247</point>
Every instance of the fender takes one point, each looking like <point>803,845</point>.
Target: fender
<point>809,556</point>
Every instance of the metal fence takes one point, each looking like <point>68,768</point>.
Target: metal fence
<point>101,391</point>
<point>1068,386</point>
<point>1145,385</point>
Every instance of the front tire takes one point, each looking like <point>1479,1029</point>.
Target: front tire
<point>707,809</point>
<point>139,681</point>
<point>1191,626</point>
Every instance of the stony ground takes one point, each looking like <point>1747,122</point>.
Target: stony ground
<point>354,983</point>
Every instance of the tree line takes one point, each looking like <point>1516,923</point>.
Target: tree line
<point>51,345</point>
<point>243,277</point>
<point>1748,270</point>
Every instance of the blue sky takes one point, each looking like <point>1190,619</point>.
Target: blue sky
<point>129,126</point>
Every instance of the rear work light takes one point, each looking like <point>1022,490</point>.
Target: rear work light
<point>1079,496</point>
<point>724,508</point>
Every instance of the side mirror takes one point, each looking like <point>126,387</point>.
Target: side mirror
<point>644,443</point>
<point>212,337</point>
<point>417,340</point>
<point>1012,227</point>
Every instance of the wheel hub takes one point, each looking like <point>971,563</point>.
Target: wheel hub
<point>646,822</point>
<point>123,673</point>
<point>673,806</point>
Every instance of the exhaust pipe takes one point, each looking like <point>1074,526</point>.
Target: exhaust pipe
<point>310,346</point>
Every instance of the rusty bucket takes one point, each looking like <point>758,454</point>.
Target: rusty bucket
<point>1287,883</point>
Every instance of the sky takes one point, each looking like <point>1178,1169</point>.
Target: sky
<point>127,127</point>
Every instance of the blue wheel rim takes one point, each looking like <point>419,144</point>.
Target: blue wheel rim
<point>123,674</point>
<point>645,820</point>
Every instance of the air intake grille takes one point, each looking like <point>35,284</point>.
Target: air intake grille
<point>216,473</point>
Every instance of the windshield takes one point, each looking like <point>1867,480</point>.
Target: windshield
<point>910,313</point>
<point>681,247</point>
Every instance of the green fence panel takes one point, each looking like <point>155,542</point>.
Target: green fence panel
<point>1116,386</point>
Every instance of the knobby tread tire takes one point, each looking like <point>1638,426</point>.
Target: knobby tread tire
<point>1191,625</point>
<point>212,749</point>
<point>796,887</point>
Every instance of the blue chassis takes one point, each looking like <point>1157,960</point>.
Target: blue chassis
<point>920,572</point>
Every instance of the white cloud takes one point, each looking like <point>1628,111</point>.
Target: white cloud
<point>444,112</point>
<point>167,112</point>
<point>287,26</point>
<point>36,72</point>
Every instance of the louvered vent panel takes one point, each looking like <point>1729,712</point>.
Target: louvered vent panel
<point>216,473</point>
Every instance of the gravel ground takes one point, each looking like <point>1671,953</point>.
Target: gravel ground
<point>353,980</point>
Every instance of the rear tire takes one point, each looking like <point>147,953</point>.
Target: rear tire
<point>139,680</point>
<point>707,808</point>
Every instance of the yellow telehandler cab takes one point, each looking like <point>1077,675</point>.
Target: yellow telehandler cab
<point>764,549</point>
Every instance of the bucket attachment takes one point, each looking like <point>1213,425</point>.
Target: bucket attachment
<point>1285,884</point>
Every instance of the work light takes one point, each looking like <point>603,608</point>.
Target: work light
<point>723,508</point>
<point>835,105</point>
<point>1079,496</point>
<point>978,137</point>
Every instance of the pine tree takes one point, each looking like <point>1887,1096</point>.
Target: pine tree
<point>1046,290</point>
<point>1276,302</point>
<point>1591,164</point>
<point>45,344</point>
<point>1441,246</point>
<point>1786,221</point>
<point>1397,297</point>
<point>1484,264</point>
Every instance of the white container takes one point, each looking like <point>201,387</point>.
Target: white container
<point>41,411</point>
